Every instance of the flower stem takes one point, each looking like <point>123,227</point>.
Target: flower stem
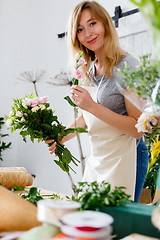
<point>79,143</point>
<point>35,88</point>
<point>74,188</point>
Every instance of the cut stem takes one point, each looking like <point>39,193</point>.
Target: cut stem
<point>79,142</point>
<point>74,188</point>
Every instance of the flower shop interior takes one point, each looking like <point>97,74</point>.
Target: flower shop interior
<point>33,62</point>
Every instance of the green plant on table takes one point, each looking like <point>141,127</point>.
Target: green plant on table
<point>91,196</point>
<point>94,196</point>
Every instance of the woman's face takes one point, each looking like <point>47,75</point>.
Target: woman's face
<point>91,31</point>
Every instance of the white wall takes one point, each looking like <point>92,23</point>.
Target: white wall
<point>28,41</point>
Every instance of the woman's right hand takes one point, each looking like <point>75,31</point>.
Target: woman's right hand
<point>52,147</point>
<point>52,144</point>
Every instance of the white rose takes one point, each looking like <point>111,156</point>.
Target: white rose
<point>35,109</point>
<point>42,106</point>
<point>19,114</point>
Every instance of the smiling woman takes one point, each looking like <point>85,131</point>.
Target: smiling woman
<point>20,51</point>
<point>109,117</point>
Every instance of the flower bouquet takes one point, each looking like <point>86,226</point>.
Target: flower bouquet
<point>34,118</point>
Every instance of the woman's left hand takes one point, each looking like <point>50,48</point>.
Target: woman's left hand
<point>82,98</point>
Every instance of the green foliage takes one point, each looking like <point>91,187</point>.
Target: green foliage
<point>70,101</point>
<point>94,196</point>
<point>3,145</point>
<point>67,98</point>
<point>39,122</point>
<point>143,79</point>
<point>34,195</point>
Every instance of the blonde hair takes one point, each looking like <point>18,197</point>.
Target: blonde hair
<point>112,50</point>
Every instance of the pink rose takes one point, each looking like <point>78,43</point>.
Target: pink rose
<point>81,62</point>
<point>42,100</point>
<point>78,74</point>
<point>34,102</point>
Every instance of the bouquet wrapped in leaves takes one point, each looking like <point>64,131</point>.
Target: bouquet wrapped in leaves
<point>34,118</point>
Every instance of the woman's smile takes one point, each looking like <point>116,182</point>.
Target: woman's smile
<point>93,40</point>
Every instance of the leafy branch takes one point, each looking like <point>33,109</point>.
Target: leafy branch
<point>94,196</point>
<point>34,195</point>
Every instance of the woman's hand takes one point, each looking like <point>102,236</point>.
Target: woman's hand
<point>82,98</point>
<point>51,148</point>
<point>79,123</point>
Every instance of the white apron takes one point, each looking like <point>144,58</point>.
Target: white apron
<point>113,154</point>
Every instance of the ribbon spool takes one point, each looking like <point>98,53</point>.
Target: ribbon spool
<point>87,224</point>
<point>51,210</point>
